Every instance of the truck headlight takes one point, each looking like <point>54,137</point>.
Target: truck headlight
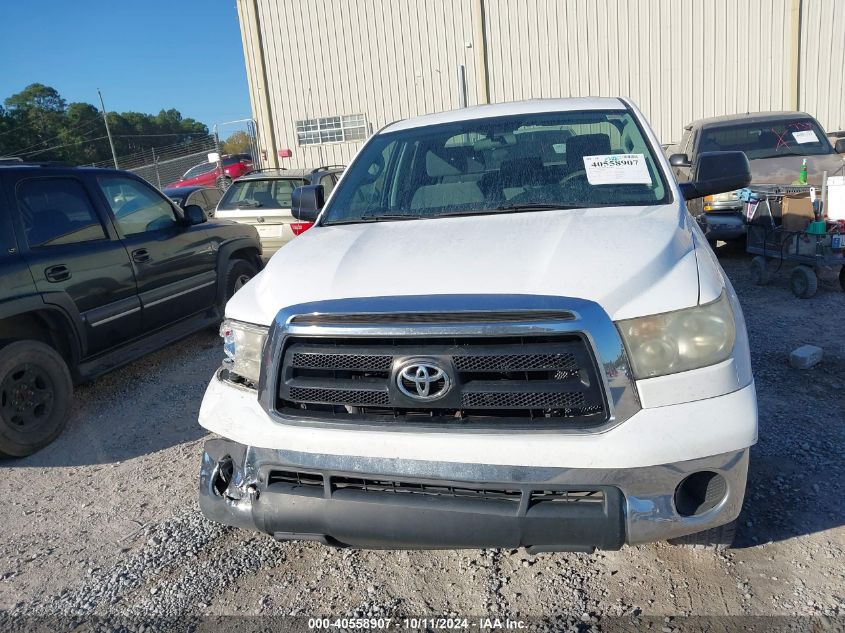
<point>243,344</point>
<point>728,196</point>
<point>678,341</point>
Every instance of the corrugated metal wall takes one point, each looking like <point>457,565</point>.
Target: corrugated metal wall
<point>388,60</point>
<point>679,60</point>
<point>822,86</point>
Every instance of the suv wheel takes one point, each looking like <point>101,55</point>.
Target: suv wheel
<point>717,538</point>
<point>238,274</point>
<point>35,397</point>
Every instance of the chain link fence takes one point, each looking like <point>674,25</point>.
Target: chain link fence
<point>165,165</point>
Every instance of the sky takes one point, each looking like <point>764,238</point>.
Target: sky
<point>145,55</point>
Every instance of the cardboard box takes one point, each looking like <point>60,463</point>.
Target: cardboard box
<point>796,212</point>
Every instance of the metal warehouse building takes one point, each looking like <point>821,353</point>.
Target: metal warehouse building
<point>324,73</point>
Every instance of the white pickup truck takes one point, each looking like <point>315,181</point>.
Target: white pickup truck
<point>504,330</point>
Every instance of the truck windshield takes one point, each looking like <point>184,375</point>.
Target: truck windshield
<point>526,162</point>
<point>768,139</point>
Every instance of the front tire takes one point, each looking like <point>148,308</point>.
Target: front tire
<point>36,392</point>
<point>238,274</point>
<point>717,538</point>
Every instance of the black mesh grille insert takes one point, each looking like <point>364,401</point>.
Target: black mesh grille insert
<point>374,362</point>
<point>516,362</point>
<point>358,397</point>
<point>522,400</point>
<point>495,382</point>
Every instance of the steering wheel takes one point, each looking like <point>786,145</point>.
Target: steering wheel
<point>581,173</point>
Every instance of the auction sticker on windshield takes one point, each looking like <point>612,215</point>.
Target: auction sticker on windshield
<point>617,169</point>
<point>805,136</point>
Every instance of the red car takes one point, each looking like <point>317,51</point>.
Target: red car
<point>209,175</point>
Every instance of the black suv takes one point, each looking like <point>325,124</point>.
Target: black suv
<point>97,268</point>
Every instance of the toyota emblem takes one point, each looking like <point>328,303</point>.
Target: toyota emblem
<point>423,380</point>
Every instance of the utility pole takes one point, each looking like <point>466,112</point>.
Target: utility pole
<point>108,131</point>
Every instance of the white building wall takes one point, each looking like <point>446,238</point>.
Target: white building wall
<point>679,60</point>
<point>386,59</point>
<point>822,64</point>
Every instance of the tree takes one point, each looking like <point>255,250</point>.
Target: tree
<point>237,143</point>
<point>37,123</point>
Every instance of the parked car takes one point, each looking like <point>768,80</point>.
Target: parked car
<point>210,175</point>
<point>263,198</point>
<point>775,143</point>
<point>205,198</point>
<point>96,269</point>
<point>504,330</point>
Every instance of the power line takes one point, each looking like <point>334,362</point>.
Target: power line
<point>92,126</point>
<point>47,149</point>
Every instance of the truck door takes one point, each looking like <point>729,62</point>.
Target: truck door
<point>75,259</point>
<point>175,264</point>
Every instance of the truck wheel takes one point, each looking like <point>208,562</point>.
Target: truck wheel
<point>760,273</point>
<point>238,274</point>
<point>804,282</point>
<point>35,397</point>
<point>718,538</point>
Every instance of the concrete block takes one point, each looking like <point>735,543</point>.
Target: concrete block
<point>806,356</point>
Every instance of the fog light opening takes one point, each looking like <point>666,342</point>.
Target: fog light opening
<point>699,493</point>
<point>222,475</point>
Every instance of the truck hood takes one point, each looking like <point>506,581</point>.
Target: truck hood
<point>631,260</point>
<point>784,170</point>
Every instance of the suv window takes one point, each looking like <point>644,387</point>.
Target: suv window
<point>57,211</point>
<point>136,207</point>
<point>272,193</point>
<point>199,170</point>
<point>212,197</point>
<point>328,184</point>
<point>554,160</point>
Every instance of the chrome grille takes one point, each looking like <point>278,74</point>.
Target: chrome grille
<point>535,382</point>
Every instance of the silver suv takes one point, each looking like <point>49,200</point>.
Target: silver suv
<point>262,198</point>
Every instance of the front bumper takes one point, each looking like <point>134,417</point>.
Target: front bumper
<point>723,223</point>
<point>305,496</point>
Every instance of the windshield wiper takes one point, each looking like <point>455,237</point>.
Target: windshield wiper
<point>512,208</point>
<point>387,217</point>
<point>248,205</point>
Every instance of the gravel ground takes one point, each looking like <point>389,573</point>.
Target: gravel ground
<point>105,521</point>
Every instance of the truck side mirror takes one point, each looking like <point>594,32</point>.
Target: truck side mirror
<point>307,202</point>
<point>195,215</point>
<point>679,160</point>
<point>717,172</point>
<point>840,146</point>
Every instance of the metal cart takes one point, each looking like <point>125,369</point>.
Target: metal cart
<point>772,245</point>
